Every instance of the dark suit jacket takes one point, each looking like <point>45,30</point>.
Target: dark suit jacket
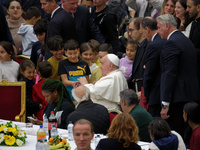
<point>112,144</point>
<point>138,66</point>
<point>97,114</point>
<point>107,23</point>
<point>152,72</point>
<point>86,27</point>
<point>5,34</point>
<point>178,63</point>
<point>62,23</point>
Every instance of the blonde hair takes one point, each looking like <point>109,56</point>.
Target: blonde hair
<point>124,129</point>
<point>163,6</point>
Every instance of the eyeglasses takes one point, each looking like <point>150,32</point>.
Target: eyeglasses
<point>17,7</point>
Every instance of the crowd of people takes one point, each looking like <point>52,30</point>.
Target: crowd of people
<point>85,59</point>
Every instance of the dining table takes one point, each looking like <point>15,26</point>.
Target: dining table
<point>32,138</point>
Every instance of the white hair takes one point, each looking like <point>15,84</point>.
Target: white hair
<point>167,18</point>
<point>85,97</point>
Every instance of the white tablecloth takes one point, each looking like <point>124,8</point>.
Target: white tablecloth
<point>32,138</point>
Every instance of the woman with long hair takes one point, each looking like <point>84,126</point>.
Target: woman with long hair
<point>15,20</point>
<point>59,101</point>
<point>182,17</point>
<point>168,7</point>
<point>122,134</point>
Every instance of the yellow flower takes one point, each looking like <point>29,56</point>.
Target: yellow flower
<point>2,128</point>
<point>10,141</point>
<point>19,142</point>
<point>5,137</point>
<point>24,133</point>
<point>10,129</point>
<point>15,133</point>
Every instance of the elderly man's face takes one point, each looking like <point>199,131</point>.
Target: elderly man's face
<point>162,30</point>
<point>83,136</point>
<point>70,5</point>
<point>105,65</point>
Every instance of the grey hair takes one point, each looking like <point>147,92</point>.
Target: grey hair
<point>129,96</point>
<point>167,18</point>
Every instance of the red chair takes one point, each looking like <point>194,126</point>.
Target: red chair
<point>13,101</point>
<point>20,58</point>
<point>113,113</point>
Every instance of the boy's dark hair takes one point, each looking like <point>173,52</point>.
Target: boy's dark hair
<point>45,68</point>
<point>8,48</point>
<point>94,44</point>
<point>71,45</point>
<point>106,48</point>
<point>40,26</point>
<point>55,43</point>
<point>26,63</point>
<point>33,11</point>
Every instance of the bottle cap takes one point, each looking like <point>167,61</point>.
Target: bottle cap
<point>53,125</point>
<point>52,112</point>
<point>41,126</point>
<point>70,122</point>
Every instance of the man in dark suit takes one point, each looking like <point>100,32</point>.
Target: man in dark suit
<point>61,23</point>
<point>85,109</point>
<point>85,25</point>
<point>179,83</point>
<point>152,71</point>
<point>135,81</point>
<point>194,13</point>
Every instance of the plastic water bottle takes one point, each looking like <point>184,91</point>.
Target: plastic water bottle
<point>41,134</point>
<point>54,131</point>
<point>40,145</point>
<point>45,123</point>
<point>46,145</point>
<point>70,131</point>
<point>97,139</point>
<point>52,120</point>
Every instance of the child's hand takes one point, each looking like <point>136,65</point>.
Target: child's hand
<point>75,84</point>
<point>36,120</point>
<point>83,80</point>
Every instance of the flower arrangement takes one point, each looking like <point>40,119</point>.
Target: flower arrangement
<point>12,135</point>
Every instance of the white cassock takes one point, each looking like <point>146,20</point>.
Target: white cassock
<point>106,90</point>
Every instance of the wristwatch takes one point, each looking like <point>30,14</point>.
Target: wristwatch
<point>164,106</point>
